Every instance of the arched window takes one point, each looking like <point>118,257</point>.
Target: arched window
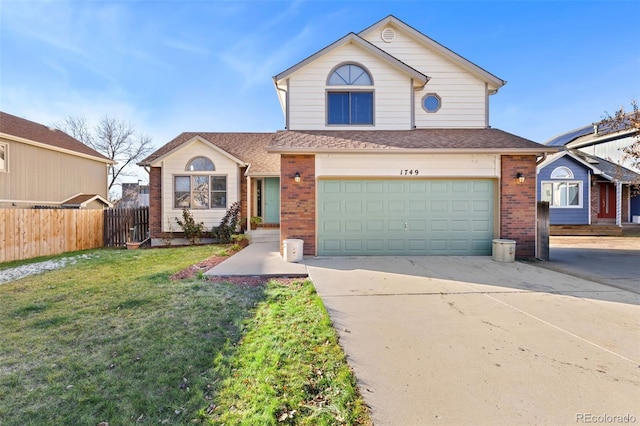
<point>200,164</point>
<point>563,192</point>
<point>349,106</point>
<point>200,190</point>
<point>562,173</point>
<point>349,75</point>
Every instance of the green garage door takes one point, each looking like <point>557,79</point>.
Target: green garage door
<point>405,217</point>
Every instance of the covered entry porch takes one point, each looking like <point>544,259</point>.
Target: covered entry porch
<point>263,202</point>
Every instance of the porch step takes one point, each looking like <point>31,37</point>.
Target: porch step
<point>265,235</point>
<point>585,230</point>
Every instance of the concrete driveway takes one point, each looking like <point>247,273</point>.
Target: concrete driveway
<point>470,341</point>
<point>614,261</point>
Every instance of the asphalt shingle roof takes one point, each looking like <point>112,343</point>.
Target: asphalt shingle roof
<point>402,140</point>
<point>16,126</point>
<point>247,147</point>
<point>613,170</point>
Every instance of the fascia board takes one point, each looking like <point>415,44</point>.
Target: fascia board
<point>393,151</point>
<point>592,139</point>
<point>54,148</point>
<point>158,161</point>
<point>442,50</point>
<point>359,41</point>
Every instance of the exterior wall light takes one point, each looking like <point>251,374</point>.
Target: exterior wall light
<point>520,177</point>
<point>296,177</point>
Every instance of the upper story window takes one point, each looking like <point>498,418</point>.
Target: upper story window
<point>431,102</point>
<point>351,104</point>
<point>4,151</point>
<point>201,164</point>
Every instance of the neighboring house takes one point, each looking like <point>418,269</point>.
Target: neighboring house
<point>40,166</point>
<point>133,195</point>
<point>593,182</point>
<point>388,151</point>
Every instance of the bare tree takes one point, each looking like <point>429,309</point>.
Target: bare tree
<point>113,138</point>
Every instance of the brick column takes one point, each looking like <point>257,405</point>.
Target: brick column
<point>518,203</point>
<point>155,202</point>
<point>298,200</point>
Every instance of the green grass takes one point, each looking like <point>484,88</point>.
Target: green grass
<point>112,338</point>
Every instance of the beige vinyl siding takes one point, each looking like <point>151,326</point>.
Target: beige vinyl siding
<point>307,92</point>
<point>42,175</point>
<point>391,165</point>
<point>175,165</point>
<point>463,95</point>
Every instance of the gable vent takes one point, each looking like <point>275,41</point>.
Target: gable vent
<point>388,35</point>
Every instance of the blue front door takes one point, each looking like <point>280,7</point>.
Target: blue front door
<point>272,200</point>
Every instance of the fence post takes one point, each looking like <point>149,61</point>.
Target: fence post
<point>542,249</point>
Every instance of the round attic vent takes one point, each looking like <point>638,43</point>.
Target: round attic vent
<point>388,35</point>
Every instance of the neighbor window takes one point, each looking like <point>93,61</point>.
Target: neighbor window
<point>3,157</point>
<point>200,192</point>
<point>352,105</point>
<point>562,193</point>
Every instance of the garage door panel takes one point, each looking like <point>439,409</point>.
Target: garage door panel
<point>332,226</point>
<point>460,225</point>
<point>405,217</point>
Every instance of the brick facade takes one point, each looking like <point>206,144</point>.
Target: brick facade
<point>155,202</point>
<point>517,203</point>
<point>298,201</point>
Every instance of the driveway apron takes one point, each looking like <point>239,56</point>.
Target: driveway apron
<point>466,340</point>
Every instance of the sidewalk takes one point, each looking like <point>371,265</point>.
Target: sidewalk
<point>259,258</point>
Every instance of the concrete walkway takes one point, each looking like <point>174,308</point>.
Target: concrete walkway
<point>259,258</point>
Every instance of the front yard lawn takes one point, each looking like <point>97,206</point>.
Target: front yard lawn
<point>112,338</point>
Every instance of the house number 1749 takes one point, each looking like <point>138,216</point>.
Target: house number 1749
<point>409,172</point>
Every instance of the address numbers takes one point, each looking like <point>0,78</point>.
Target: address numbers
<point>409,172</point>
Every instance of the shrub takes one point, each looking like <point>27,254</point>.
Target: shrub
<point>192,231</point>
<point>228,225</point>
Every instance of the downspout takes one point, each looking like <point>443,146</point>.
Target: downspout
<point>544,157</point>
<point>589,196</point>
<point>286,97</point>
<point>249,196</point>
<point>618,204</point>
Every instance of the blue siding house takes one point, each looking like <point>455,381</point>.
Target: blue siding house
<point>583,189</point>
<point>565,183</point>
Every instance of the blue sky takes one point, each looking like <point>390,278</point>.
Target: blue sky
<point>172,66</point>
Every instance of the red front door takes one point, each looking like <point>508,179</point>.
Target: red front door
<point>607,199</point>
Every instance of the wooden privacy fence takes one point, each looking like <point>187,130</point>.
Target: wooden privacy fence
<point>27,233</point>
<point>124,225</point>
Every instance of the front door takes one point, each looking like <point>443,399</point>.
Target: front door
<point>607,200</point>
<point>272,200</point>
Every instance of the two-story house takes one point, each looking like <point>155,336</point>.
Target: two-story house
<point>40,166</point>
<point>387,151</point>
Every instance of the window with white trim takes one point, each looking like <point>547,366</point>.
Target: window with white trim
<point>200,190</point>
<point>4,157</point>
<point>564,192</point>
<point>353,104</point>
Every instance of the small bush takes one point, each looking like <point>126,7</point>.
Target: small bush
<point>228,225</point>
<point>192,231</point>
